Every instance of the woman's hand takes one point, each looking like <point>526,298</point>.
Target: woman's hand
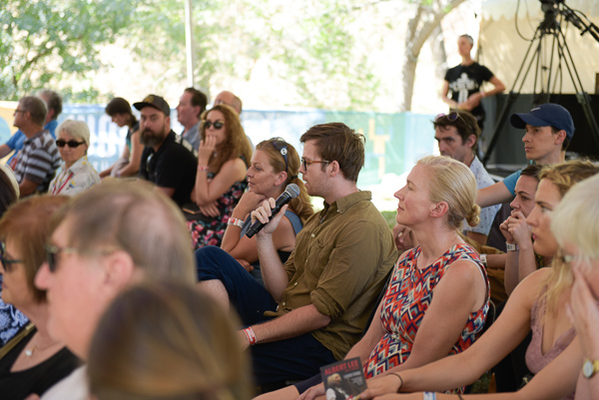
<point>248,267</point>
<point>313,392</point>
<point>206,150</point>
<point>404,238</point>
<point>380,385</point>
<point>248,202</point>
<point>584,314</point>
<point>504,228</point>
<point>210,210</point>
<point>518,228</point>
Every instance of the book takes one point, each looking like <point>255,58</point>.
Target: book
<point>343,380</point>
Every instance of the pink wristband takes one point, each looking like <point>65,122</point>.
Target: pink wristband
<point>250,335</point>
<point>202,168</point>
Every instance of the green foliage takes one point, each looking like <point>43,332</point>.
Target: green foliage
<point>42,42</point>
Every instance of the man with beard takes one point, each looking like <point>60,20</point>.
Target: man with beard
<point>167,160</point>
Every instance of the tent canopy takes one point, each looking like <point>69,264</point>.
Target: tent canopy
<point>503,49</point>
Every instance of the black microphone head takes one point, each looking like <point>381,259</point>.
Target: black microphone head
<point>292,190</point>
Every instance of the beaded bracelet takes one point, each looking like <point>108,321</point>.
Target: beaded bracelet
<point>202,168</point>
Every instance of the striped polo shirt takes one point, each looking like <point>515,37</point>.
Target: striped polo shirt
<point>38,160</point>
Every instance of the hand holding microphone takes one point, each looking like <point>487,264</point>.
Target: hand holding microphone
<point>265,214</point>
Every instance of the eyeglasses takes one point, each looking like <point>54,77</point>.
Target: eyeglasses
<point>216,124</point>
<point>281,146</point>
<point>71,143</point>
<point>305,162</point>
<point>52,252</point>
<point>451,117</point>
<point>20,111</point>
<point>6,262</point>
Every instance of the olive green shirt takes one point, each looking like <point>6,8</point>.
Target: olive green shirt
<point>341,261</point>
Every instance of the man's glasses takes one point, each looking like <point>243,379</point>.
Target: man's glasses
<point>51,253</point>
<point>20,111</point>
<point>305,162</point>
<point>6,262</point>
<point>217,124</point>
<point>451,117</point>
<point>71,143</point>
<point>281,146</point>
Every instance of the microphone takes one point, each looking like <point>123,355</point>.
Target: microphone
<point>291,192</point>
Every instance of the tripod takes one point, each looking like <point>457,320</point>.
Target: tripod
<point>549,31</point>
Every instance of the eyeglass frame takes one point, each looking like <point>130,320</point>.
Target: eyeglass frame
<point>6,261</point>
<point>305,162</point>
<point>72,144</point>
<point>52,251</point>
<point>283,150</point>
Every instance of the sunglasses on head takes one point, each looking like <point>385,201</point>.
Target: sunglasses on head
<point>281,146</point>
<point>6,262</point>
<point>217,124</point>
<point>451,117</point>
<point>71,143</point>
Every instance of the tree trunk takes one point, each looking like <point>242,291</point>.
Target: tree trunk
<point>420,27</point>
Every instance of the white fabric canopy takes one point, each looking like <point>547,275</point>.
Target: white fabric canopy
<point>497,9</point>
<point>503,49</point>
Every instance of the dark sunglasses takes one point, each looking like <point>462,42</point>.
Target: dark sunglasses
<point>6,262</point>
<point>217,124</point>
<point>451,117</point>
<point>281,146</point>
<point>71,143</point>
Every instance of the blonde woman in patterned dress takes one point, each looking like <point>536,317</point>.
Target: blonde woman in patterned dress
<point>437,300</point>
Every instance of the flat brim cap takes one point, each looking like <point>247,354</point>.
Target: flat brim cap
<point>154,101</point>
<point>548,114</point>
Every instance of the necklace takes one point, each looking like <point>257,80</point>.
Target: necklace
<point>29,352</point>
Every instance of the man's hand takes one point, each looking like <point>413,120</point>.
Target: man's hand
<point>263,214</point>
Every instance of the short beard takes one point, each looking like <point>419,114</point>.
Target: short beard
<point>149,138</point>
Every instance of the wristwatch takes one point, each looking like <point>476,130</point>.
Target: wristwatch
<point>590,368</point>
<point>512,246</point>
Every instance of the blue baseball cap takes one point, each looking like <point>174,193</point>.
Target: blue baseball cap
<point>548,114</point>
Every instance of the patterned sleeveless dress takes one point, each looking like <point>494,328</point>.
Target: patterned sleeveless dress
<point>405,303</point>
<point>207,231</point>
